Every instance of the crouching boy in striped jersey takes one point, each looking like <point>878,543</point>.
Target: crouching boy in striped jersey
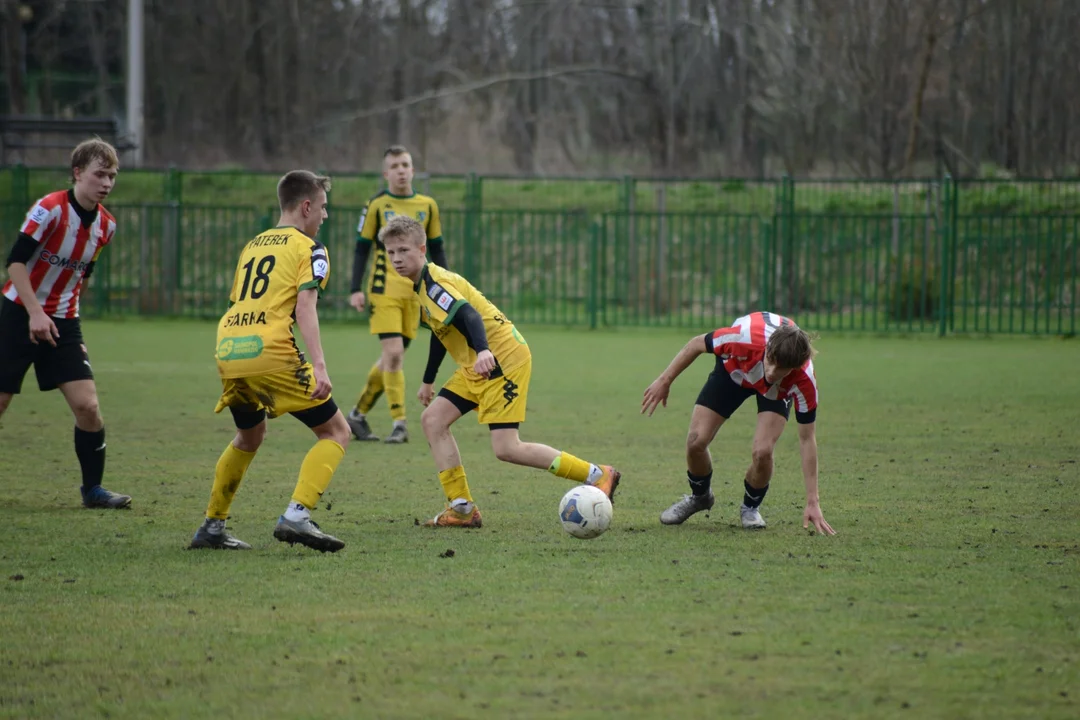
<point>765,356</point>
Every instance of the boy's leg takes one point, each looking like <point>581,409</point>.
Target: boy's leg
<point>436,420</point>
<point>392,361</point>
<point>719,398</point>
<point>316,472</point>
<point>373,390</point>
<point>228,473</point>
<point>508,447</point>
<point>770,425</point>
<point>82,398</point>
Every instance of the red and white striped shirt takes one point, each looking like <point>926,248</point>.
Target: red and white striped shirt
<point>66,248</point>
<point>741,349</point>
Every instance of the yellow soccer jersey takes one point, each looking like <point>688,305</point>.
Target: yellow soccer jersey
<point>442,293</point>
<point>255,335</point>
<point>384,278</point>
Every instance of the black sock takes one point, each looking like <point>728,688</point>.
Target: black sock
<point>90,449</point>
<point>699,484</point>
<point>752,497</point>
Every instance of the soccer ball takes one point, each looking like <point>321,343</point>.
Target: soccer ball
<point>585,512</point>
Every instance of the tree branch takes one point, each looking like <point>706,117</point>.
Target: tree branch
<point>473,86</point>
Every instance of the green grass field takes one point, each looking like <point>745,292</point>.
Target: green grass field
<point>948,467</point>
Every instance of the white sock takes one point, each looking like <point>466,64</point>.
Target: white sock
<point>595,473</point>
<point>214,526</point>
<point>399,423</point>
<point>462,506</point>
<point>296,512</point>
<point>356,414</point>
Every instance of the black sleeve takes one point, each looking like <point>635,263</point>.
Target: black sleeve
<point>709,343</point>
<point>471,325</point>
<point>436,353</point>
<point>437,251</point>
<point>89,269</point>
<point>363,249</point>
<point>23,250</point>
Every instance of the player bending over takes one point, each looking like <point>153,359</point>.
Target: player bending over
<point>762,355</point>
<point>59,242</point>
<point>263,374</point>
<point>494,367</point>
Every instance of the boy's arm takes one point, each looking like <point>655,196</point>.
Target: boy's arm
<point>41,325</point>
<point>436,353</point>
<point>657,393</point>
<point>307,319</point>
<point>469,323</point>
<point>808,453</point>
<point>365,238</point>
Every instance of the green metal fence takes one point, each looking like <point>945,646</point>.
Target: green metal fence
<point>900,256</point>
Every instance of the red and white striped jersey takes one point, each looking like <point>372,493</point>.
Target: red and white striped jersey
<point>66,247</point>
<point>741,349</point>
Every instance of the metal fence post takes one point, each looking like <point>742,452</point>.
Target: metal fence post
<point>20,181</point>
<point>594,273</point>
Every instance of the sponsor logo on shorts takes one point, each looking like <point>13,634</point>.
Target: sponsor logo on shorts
<point>240,348</point>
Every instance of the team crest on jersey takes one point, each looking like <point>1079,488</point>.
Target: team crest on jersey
<point>421,215</point>
<point>38,214</point>
<point>442,298</point>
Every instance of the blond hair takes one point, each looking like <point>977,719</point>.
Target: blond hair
<point>403,226</point>
<point>790,347</point>
<point>298,185</point>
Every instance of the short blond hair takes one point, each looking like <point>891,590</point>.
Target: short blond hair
<point>90,150</point>
<point>296,186</point>
<point>403,226</point>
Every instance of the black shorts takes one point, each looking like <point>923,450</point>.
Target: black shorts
<point>246,418</point>
<point>53,366</point>
<point>723,396</point>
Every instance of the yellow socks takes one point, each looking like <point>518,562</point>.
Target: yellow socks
<point>454,484</point>
<point>394,382</point>
<point>230,470</point>
<point>373,390</point>
<point>573,468</point>
<point>316,471</point>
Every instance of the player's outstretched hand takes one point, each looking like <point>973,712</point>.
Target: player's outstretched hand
<point>322,383</point>
<point>426,394</point>
<point>485,363</point>
<point>812,514</point>
<point>357,300</point>
<point>43,328</point>
<point>655,394</point>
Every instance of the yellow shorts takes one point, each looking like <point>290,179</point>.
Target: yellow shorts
<point>285,391</point>
<point>394,315</point>
<point>499,400</point>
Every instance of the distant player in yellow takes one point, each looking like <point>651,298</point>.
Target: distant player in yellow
<point>494,367</point>
<point>395,309</point>
<point>263,373</point>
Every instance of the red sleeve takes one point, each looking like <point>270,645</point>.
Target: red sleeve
<point>805,394</point>
<point>715,340</point>
<point>42,217</point>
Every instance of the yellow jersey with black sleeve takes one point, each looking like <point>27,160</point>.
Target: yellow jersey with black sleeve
<point>442,293</point>
<point>384,279</point>
<point>255,335</point>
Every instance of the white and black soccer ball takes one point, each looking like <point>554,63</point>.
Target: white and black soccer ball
<point>585,512</point>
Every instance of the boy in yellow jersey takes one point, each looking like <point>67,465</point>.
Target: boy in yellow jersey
<point>395,309</point>
<point>494,367</point>
<point>263,373</point>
